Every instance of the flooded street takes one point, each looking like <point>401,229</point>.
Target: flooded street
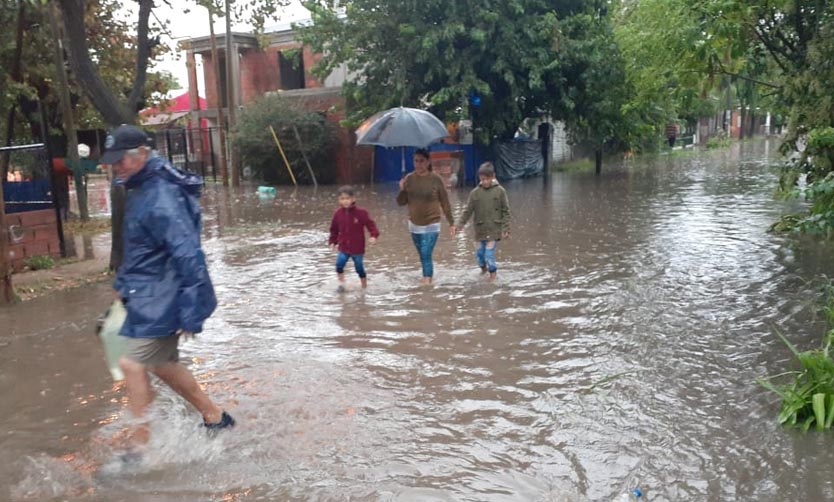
<point>619,348</point>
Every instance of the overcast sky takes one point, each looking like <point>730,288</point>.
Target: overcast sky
<point>194,23</point>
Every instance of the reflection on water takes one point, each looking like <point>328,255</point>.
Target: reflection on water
<point>618,348</point>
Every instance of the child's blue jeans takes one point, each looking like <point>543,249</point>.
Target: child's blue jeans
<point>485,254</point>
<point>425,247</point>
<point>358,264</point>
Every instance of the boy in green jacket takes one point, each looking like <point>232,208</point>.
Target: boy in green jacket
<point>489,204</point>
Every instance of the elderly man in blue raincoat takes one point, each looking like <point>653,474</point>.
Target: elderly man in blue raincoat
<point>163,279</point>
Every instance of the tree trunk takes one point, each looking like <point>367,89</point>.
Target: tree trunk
<point>84,69</point>
<point>101,96</point>
<point>68,117</point>
<point>117,216</point>
<point>598,161</point>
<point>6,289</point>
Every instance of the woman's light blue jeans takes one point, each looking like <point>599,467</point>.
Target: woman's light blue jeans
<point>485,254</point>
<point>425,247</point>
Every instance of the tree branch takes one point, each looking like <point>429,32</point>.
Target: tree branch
<point>143,53</point>
<point>112,110</point>
<point>773,50</point>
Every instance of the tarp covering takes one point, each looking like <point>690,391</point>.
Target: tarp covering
<point>388,161</point>
<point>518,159</point>
<point>27,196</point>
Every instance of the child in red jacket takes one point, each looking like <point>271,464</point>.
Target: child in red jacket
<point>347,234</point>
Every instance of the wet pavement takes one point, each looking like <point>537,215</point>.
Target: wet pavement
<point>618,348</point>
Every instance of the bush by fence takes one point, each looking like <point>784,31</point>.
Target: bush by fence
<point>253,139</point>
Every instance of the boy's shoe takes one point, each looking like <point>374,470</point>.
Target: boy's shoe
<point>483,269</point>
<point>226,421</point>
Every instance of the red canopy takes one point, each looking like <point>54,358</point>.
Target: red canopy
<point>172,110</point>
<point>179,103</point>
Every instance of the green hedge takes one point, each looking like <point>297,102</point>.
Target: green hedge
<point>253,139</point>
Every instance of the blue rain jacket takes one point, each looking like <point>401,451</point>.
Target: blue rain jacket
<point>163,278</point>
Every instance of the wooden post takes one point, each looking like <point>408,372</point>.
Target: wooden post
<point>301,146</point>
<point>231,64</point>
<point>6,289</point>
<point>224,173</point>
<point>283,156</point>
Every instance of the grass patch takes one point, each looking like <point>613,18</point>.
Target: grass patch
<point>39,262</point>
<point>719,142</point>
<point>808,395</point>
<point>93,226</point>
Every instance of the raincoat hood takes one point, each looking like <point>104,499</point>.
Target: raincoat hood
<point>157,166</point>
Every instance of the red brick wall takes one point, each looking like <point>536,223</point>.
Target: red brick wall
<point>39,236</point>
<point>211,88</point>
<point>259,74</point>
<point>310,59</point>
<point>260,71</point>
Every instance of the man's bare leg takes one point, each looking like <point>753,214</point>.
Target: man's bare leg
<point>139,396</point>
<point>183,383</point>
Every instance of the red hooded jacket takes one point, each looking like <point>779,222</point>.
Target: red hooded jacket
<point>348,229</point>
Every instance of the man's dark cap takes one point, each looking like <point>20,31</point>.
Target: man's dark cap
<point>120,140</point>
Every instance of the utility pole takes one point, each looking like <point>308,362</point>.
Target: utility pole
<point>231,63</point>
<point>224,166</point>
<point>67,115</point>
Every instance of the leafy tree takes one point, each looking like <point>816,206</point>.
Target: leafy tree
<point>438,53</point>
<point>253,138</point>
<point>117,103</point>
<point>595,90</point>
<point>110,41</point>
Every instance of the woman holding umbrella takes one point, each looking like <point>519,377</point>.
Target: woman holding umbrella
<point>425,195</point>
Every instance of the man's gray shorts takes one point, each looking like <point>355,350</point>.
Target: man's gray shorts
<point>153,351</point>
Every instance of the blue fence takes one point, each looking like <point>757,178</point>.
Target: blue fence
<point>27,196</point>
<point>388,162</point>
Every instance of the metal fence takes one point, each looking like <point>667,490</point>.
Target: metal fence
<point>28,179</point>
<point>30,183</point>
<point>195,150</point>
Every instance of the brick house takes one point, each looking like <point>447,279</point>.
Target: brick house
<point>282,65</point>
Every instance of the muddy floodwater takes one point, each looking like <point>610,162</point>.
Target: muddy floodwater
<point>618,348</point>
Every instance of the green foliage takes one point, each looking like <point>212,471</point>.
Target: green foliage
<point>808,398</point>
<point>39,262</point>
<point>817,164</point>
<point>718,142</point>
<point>110,38</point>
<point>594,104</point>
<point>257,147</point>
<point>435,53</point>
<point>787,223</point>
